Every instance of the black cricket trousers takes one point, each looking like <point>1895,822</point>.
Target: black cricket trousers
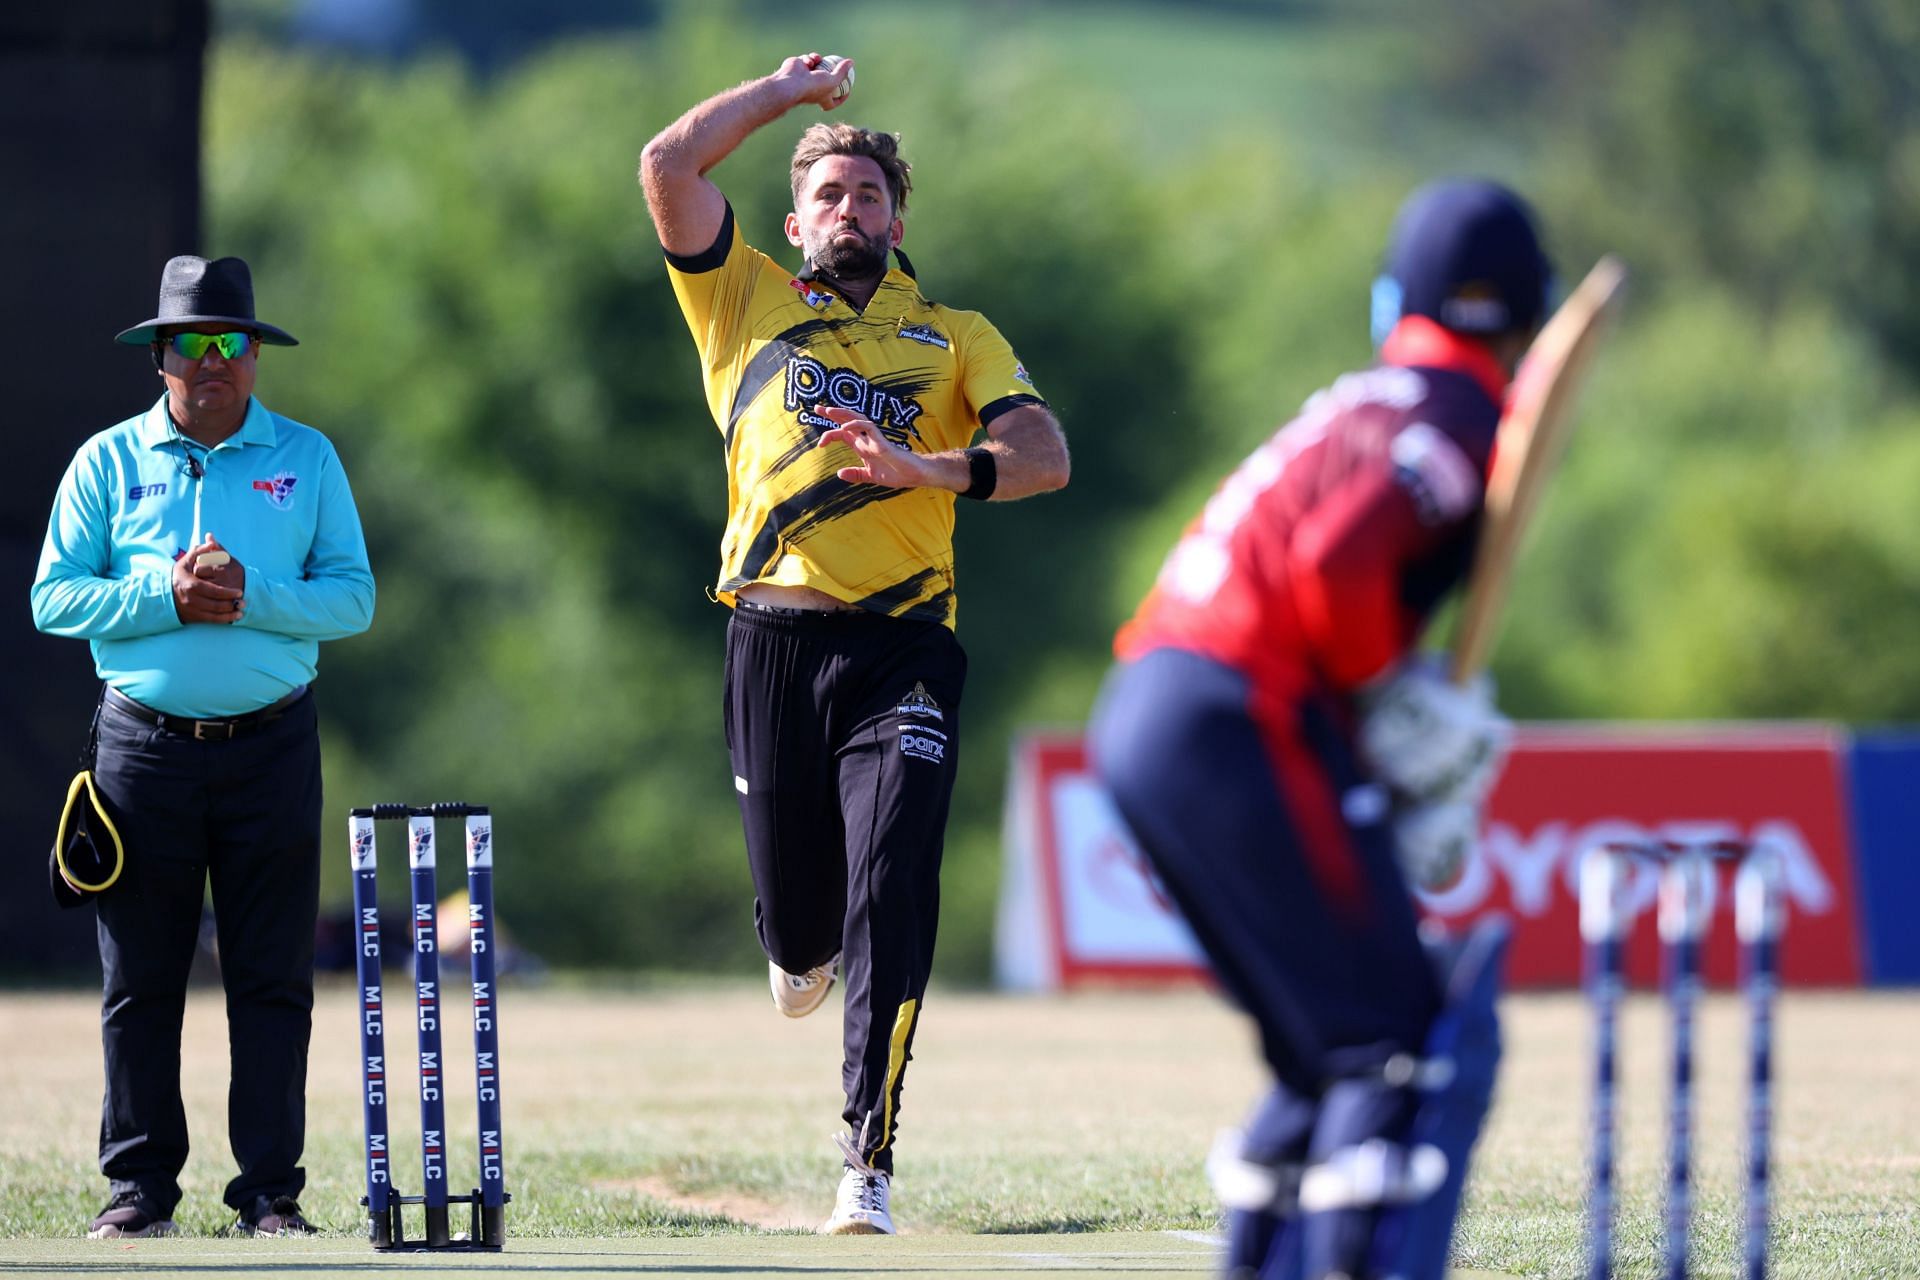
<point>844,733</point>
<point>244,815</point>
<point>1219,812</point>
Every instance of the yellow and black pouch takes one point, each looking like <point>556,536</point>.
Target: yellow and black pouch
<point>87,854</point>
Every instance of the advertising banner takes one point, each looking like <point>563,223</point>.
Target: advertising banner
<point>1567,789</point>
<point>1079,905</point>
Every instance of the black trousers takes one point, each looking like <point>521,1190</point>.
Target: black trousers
<point>844,732</point>
<point>1274,842</point>
<point>244,815</point>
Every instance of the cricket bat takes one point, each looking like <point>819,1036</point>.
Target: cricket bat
<point>1532,435</point>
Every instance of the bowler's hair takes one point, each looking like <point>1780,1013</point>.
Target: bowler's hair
<point>822,140</point>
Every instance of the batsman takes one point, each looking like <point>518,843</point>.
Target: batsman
<point>1293,771</point>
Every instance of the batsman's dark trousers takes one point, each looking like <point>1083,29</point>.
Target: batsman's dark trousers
<point>844,731</point>
<point>1259,822</point>
<point>243,815</point>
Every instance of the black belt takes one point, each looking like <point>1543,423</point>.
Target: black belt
<point>788,611</point>
<point>222,729</point>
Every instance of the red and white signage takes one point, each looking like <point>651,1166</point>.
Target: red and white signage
<point>1078,904</point>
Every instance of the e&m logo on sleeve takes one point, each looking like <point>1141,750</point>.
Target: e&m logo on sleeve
<point>279,490</point>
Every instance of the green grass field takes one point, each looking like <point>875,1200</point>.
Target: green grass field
<point>683,1129</point>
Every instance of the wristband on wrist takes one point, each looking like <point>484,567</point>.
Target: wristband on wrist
<point>984,472</point>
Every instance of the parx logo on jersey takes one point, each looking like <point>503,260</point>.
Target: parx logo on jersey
<point>920,740</point>
<point>809,383</point>
<point>279,489</point>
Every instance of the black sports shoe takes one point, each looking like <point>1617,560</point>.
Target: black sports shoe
<point>127,1216</point>
<point>273,1216</point>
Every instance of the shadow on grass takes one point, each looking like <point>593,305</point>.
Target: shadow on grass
<point>1083,1224</point>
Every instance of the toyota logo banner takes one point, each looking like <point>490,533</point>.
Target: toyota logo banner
<point>1078,904</point>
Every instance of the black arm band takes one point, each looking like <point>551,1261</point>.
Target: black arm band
<point>984,471</point>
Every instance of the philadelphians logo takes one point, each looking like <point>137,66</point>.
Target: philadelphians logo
<point>921,741</point>
<point>926,334</point>
<point>920,703</point>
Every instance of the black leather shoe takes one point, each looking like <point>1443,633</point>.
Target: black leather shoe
<point>129,1217</point>
<point>273,1216</point>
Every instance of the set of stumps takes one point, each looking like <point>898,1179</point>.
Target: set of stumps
<point>1687,888</point>
<point>385,1205</point>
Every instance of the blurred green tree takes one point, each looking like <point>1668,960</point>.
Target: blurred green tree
<point>489,337</point>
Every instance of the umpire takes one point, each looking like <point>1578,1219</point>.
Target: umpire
<point>205,752</point>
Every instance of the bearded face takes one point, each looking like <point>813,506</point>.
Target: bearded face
<point>847,252</point>
<point>843,218</point>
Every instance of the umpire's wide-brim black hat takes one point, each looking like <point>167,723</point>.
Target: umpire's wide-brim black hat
<point>196,291</point>
<point>87,855</point>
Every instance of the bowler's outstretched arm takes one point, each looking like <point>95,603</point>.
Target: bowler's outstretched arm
<point>687,207</point>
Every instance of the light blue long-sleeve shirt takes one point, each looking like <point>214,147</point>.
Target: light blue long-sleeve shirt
<point>275,495</point>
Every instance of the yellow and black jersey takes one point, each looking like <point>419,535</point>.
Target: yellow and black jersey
<point>773,349</point>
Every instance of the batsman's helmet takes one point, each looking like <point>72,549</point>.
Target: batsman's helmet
<point>1464,252</point>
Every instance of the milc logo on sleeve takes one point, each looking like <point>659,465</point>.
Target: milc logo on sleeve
<point>815,298</point>
<point>139,491</point>
<point>918,740</point>
<point>279,490</point>
<point>810,383</point>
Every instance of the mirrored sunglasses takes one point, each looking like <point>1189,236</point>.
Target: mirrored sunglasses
<point>193,346</point>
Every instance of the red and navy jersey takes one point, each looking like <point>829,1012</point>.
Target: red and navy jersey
<point>1317,563</point>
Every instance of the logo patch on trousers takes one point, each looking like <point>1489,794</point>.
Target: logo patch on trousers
<point>919,703</point>
<point>923,743</point>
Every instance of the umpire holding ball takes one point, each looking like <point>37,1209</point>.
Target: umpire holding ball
<point>205,756</point>
<point>847,404</point>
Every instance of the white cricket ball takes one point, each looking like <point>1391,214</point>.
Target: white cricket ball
<point>833,62</point>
